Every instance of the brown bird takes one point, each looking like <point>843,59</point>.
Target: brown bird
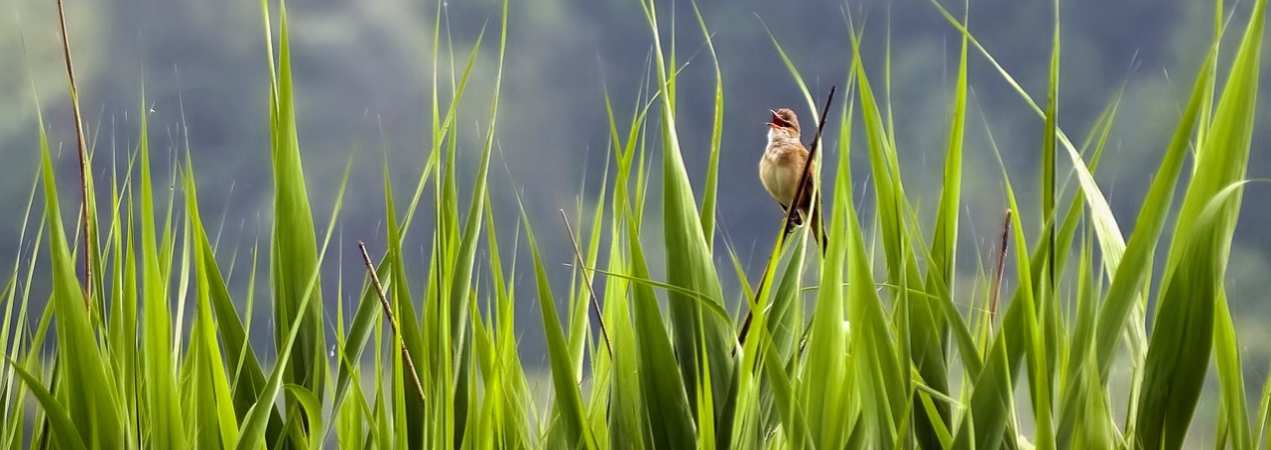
<point>782,166</point>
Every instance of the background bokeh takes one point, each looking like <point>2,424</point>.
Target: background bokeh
<point>363,75</point>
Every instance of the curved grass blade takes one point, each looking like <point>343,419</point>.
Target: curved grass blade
<point>211,378</point>
<point>1179,350</point>
<point>661,380</point>
<point>64,429</point>
<point>689,262</point>
<point>569,402</point>
<point>92,403</point>
<point>717,135</point>
<point>313,411</point>
<point>252,430</point>
<point>294,254</point>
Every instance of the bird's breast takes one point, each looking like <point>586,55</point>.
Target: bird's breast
<point>778,177</point>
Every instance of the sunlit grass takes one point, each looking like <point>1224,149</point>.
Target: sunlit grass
<point>886,355</point>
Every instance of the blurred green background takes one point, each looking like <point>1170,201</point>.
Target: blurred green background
<point>363,78</point>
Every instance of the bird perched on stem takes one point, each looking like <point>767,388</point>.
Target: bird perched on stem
<point>781,170</point>
<point>784,171</point>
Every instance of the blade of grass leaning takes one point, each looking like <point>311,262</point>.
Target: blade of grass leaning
<point>212,375</point>
<point>65,431</point>
<point>942,267</point>
<point>1128,278</point>
<point>717,135</point>
<point>252,430</point>
<point>689,262</point>
<point>293,255</point>
<point>87,379</point>
<point>629,425</point>
<point>1181,342</point>
<point>1110,238</point>
<point>1264,414</point>
<point>991,401</point>
<point>662,384</point>
<point>871,340</point>
<point>1048,153</point>
<point>312,408</point>
<point>823,390</point>
<point>1230,375</point>
<point>1222,160</point>
<point>160,388</point>
<point>471,236</point>
<point>410,335</point>
<point>568,398</point>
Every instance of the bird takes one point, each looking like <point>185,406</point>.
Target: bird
<point>781,169</point>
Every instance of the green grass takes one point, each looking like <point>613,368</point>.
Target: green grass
<point>886,353</point>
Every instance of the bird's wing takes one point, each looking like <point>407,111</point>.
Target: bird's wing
<point>798,156</point>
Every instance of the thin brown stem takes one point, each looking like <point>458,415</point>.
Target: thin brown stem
<point>591,291</point>
<point>791,211</point>
<point>806,173</point>
<point>1000,268</point>
<point>83,156</point>
<point>392,319</point>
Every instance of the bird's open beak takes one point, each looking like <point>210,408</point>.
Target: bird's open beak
<point>776,121</point>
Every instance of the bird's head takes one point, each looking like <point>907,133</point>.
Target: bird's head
<point>783,124</point>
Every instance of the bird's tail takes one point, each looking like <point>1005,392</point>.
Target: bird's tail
<point>801,218</point>
<point>818,229</point>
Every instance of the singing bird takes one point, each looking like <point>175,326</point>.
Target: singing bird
<point>781,168</point>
